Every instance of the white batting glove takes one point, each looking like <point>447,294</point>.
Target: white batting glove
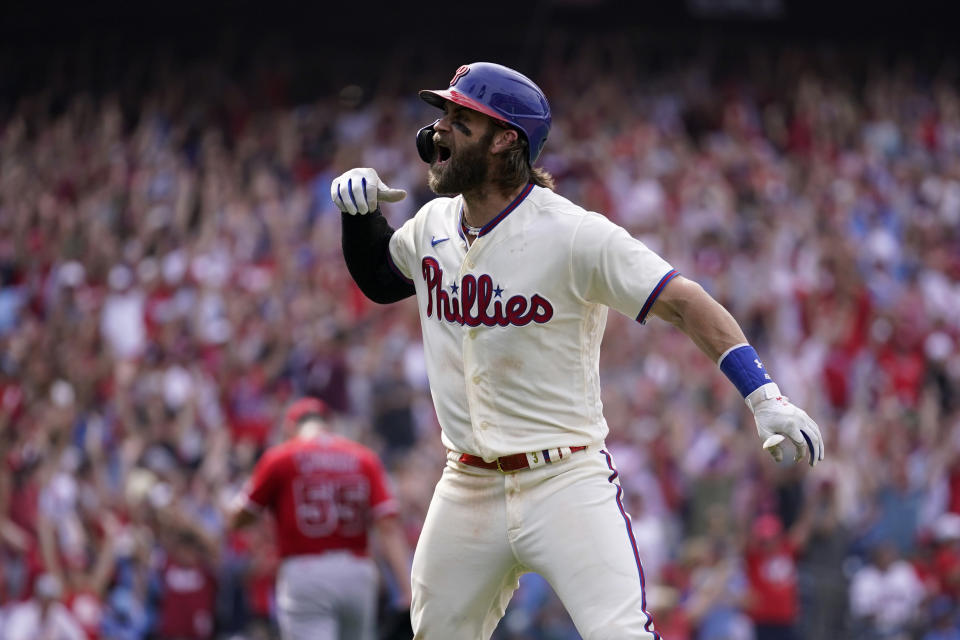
<point>360,190</point>
<point>778,419</point>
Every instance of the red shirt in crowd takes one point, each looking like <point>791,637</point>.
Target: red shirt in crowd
<point>324,492</point>
<point>187,605</point>
<point>772,573</point>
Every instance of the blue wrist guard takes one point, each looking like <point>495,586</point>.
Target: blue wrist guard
<point>741,364</point>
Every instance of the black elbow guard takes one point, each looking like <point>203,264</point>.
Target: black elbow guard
<point>366,248</point>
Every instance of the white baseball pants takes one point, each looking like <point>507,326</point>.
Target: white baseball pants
<point>332,596</point>
<point>565,521</point>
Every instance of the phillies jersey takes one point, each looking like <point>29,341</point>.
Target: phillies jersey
<point>324,491</point>
<point>512,324</point>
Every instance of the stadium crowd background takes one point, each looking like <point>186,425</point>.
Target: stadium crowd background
<point>171,278</point>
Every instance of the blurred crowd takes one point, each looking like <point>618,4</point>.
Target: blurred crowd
<point>171,278</point>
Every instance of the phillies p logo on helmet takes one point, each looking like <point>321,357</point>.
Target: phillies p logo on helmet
<point>461,71</point>
<point>500,93</point>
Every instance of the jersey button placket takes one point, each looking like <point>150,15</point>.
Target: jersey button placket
<point>479,409</point>
<point>472,382</point>
<point>477,392</point>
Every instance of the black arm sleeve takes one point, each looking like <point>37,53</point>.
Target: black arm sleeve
<point>366,245</point>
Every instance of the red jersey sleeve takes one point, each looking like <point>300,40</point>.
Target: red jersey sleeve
<point>267,480</point>
<point>382,502</point>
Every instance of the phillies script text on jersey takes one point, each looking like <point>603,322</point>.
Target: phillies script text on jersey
<point>478,291</point>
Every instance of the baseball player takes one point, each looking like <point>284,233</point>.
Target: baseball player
<point>513,283</point>
<point>326,492</point>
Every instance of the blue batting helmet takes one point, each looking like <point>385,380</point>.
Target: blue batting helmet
<point>503,94</point>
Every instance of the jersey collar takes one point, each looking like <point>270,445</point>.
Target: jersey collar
<point>487,228</point>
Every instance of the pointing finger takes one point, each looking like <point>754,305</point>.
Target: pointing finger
<point>387,194</point>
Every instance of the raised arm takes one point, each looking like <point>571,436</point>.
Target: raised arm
<point>366,235</point>
<point>684,304</point>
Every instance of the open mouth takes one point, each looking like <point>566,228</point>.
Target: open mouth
<point>443,154</point>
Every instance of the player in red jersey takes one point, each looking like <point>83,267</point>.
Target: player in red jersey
<point>327,493</point>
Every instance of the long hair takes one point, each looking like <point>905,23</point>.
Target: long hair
<point>514,170</point>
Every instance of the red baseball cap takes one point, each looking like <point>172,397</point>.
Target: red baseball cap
<point>766,527</point>
<point>302,408</point>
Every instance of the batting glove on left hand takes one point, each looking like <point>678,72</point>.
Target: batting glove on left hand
<point>778,419</point>
<point>360,190</point>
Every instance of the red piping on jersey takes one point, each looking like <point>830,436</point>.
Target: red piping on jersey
<point>670,275</point>
<point>485,229</point>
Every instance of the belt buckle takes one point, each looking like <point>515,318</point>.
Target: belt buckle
<point>505,471</point>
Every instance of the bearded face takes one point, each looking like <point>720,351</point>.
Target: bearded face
<point>460,165</point>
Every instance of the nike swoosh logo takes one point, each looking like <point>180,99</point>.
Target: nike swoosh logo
<point>434,240</point>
